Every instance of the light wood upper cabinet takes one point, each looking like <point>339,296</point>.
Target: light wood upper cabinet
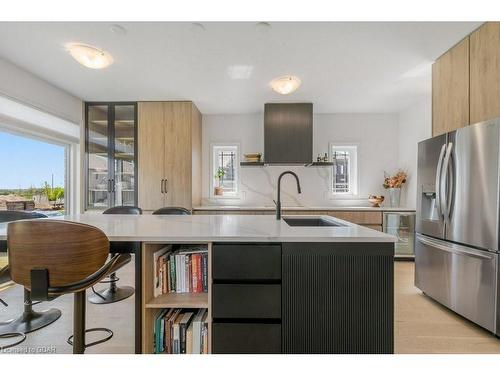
<point>450,89</point>
<point>485,72</point>
<point>169,135</point>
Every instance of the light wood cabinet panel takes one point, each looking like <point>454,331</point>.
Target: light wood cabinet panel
<point>170,145</point>
<point>450,89</point>
<point>151,154</point>
<point>178,155</point>
<point>358,217</point>
<point>485,72</point>
<point>196,158</point>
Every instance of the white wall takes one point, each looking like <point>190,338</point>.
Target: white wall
<point>415,125</point>
<point>375,134</point>
<point>18,84</point>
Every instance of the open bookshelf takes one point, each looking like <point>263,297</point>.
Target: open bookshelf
<point>152,305</point>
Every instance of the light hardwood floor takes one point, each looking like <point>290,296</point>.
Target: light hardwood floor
<point>421,325</point>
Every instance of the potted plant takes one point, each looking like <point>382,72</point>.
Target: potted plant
<point>219,175</point>
<point>393,184</point>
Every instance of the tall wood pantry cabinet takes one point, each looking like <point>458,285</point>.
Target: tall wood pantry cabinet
<point>450,89</point>
<point>485,72</point>
<point>169,157</point>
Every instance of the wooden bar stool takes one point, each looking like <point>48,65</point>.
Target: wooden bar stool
<point>115,293</point>
<point>30,320</point>
<point>51,258</point>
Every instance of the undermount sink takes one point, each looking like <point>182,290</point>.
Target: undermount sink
<point>311,222</point>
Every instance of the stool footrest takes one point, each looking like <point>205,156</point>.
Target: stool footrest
<point>9,335</point>
<point>108,337</point>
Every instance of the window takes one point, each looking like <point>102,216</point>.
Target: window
<point>345,169</point>
<point>225,163</point>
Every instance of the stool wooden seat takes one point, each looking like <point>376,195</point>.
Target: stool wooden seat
<point>30,320</point>
<point>51,258</point>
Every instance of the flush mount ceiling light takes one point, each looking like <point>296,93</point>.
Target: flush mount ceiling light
<point>285,85</point>
<point>89,56</point>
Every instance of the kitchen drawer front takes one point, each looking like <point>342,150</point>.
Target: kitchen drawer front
<point>246,262</point>
<point>246,338</point>
<point>245,301</point>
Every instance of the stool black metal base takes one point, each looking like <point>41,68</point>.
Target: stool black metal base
<point>9,335</point>
<point>30,321</point>
<point>111,295</point>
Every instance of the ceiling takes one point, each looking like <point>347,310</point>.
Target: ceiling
<point>345,67</point>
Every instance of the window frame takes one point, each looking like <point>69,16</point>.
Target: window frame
<point>353,149</point>
<point>213,147</point>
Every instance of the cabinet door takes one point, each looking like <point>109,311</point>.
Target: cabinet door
<point>485,72</point>
<point>98,161</point>
<point>177,140</point>
<point>151,154</point>
<point>450,89</point>
<point>124,154</point>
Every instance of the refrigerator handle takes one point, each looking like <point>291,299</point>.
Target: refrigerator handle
<point>454,248</point>
<point>438,181</point>
<point>446,202</point>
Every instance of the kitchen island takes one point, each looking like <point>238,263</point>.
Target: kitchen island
<point>273,287</point>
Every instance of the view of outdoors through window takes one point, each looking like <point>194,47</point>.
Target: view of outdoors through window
<point>32,175</point>
<point>344,174</point>
<point>340,171</point>
<point>225,168</point>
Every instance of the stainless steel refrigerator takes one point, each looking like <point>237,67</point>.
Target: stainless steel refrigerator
<point>457,226</point>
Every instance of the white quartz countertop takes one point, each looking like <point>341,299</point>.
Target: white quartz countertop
<point>218,228</point>
<point>301,208</point>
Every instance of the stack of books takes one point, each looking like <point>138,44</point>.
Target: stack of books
<point>181,331</point>
<point>184,270</point>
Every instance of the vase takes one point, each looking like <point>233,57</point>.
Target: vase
<point>394,197</point>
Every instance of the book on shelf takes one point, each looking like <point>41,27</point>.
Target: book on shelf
<point>159,258</point>
<point>184,270</point>
<point>181,331</point>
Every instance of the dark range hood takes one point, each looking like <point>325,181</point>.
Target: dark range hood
<point>288,133</point>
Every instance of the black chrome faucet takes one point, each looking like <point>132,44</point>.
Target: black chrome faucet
<point>278,200</point>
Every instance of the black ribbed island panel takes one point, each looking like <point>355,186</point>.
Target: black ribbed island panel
<point>337,298</point>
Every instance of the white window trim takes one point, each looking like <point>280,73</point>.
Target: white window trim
<point>355,170</point>
<point>211,172</point>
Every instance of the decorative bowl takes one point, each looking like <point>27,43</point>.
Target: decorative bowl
<point>376,200</point>
<point>253,157</point>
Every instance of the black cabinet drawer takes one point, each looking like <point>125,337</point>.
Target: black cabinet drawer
<point>245,301</point>
<point>246,338</point>
<point>246,262</point>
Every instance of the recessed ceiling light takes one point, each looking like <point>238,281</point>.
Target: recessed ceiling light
<point>118,29</point>
<point>89,56</point>
<point>263,27</point>
<point>197,27</point>
<point>285,85</point>
<point>239,71</point>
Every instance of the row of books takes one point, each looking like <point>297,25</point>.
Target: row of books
<point>181,331</point>
<point>184,270</point>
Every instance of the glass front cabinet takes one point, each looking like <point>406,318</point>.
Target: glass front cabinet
<point>111,155</point>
